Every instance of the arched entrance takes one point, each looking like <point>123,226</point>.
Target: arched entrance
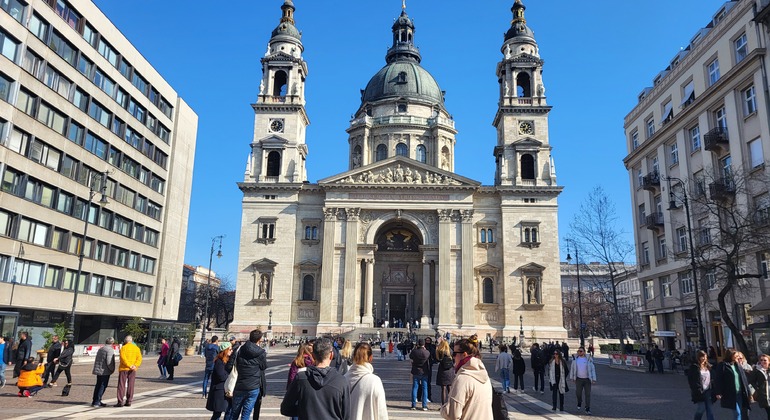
<point>398,273</point>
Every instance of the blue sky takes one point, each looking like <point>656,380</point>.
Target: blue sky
<point>598,56</point>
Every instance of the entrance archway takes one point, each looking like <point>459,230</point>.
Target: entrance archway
<point>398,273</point>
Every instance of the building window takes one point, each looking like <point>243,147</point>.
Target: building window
<point>720,118</point>
<point>650,123</point>
<point>639,178</point>
<point>649,290</point>
<point>5,88</point>
<point>645,253</point>
<point>665,287</point>
<point>15,8</point>
<point>688,94</point>
<point>634,139</point>
<point>486,236</point>
<point>381,153</point>
<point>402,150</point>
<point>530,234</point>
<point>756,153</point>
<point>527,166</point>
<point>8,46</point>
<point>311,231</point>
<point>33,232</point>
<point>741,48</point>
<point>681,237</point>
<point>266,230</point>
<point>420,153</point>
<point>662,250</point>
<point>685,280</point>
<point>489,290</point>
<point>764,257</point>
<point>749,101</point>
<point>673,153</point>
<point>711,279</point>
<point>713,70</point>
<point>27,272</point>
<point>668,113</point>
<point>273,163</point>
<point>308,287</point>
<point>695,138</point>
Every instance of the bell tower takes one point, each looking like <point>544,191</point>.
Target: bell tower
<point>523,154</point>
<point>278,149</point>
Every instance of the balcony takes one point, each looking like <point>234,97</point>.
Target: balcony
<point>651,181</point>
<point>654,221</point>
<point>716,140</point>
<point>721,189</point>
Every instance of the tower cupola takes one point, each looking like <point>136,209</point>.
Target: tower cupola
<point>286,26</point>
<point>519,31</point>
<point>403,48</point>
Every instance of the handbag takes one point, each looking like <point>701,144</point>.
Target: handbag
<point>177,358</point>
<point>499,409</point>
<point>232,378</point>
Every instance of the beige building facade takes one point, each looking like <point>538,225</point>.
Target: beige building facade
<point>704,122</point>
<point>400,237</point>
<point>84,115</point>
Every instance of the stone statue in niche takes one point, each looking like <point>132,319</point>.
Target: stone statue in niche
<point>532,297</point>
<point>262,87</point>
<point>357,160</point>
<point>264,285</point>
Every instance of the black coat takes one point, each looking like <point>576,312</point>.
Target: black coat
<point>53,352</point>
<point>696,388</point>
<point>537,359</point>
<point>420,361</point>
<point>723,380</point>
<point>216,400</point>
<point>758,380</point>
<point>24,350</point>
<point>251,363</point>
<point>446,371</point>
<point>65,358</point>
<point>519,367</point>
<point>173,349</point>
<point>317,393</point>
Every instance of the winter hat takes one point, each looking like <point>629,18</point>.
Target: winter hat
<point>224,346</point>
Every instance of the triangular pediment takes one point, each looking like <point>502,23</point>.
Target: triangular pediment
<point>399,170</point>
<point>309,265</point>
<point>526,58</point>
<point>528,142</point>
<point>486,268</point>
<point>532,268</point>
<point>273,141</point>
<point>264,263</point>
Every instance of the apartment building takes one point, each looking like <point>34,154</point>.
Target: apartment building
<point>700,133</point>
<point>96,159</point>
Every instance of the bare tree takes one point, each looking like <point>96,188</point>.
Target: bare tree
<point>731,224</point>
<point>594,231</point>
<point>221,301</point>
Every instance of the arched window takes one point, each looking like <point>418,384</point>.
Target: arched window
<point>420,153</point>
<point>308,287</point>
<point>273,163</point>
<point>490,236</point>
<point>527,167</point>
<point>483,236</point>
<point>402,150</point>
<point>523,86</point>
<point>382,152</point>
<point>534,235</point>
<point>280,82</point>
<point>526,235</point>
<point>489,290</point>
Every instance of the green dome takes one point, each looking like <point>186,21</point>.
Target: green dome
<point>403,79</point>
<point>287,28</point>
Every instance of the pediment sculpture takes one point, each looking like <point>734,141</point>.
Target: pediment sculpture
<point>399,175</point>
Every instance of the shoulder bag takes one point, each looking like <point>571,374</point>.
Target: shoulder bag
<point>232,378</point>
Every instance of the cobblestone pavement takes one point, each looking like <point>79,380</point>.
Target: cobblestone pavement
<point>618,394</point>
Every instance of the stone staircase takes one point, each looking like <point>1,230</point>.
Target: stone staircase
<point>376,334</point>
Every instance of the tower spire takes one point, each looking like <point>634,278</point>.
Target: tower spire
<point>403,4</point>
<point>518,12</point>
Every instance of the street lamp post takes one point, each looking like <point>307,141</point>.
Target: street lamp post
<point>693,264</point>
<point>81,244</point>
<point>374,313</point>
<point>270,320</point>
<point>205,325</point>
<point>580,296</point>
<point>521,330</point>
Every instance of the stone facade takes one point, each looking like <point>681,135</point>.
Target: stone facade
<point>400,235</point>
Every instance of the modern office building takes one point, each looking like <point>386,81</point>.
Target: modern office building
<point>400,237</point>
<point>91,137</point>
<point>697,169</point>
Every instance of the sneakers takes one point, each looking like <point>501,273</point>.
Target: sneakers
<point>414,408</point>
<point>2,384</point>
<point>425,409</point>
<point>542,392</point>
<point>534,389</point>
<point>578,407</point>
<point>27,393</point>
<point>588,411</point>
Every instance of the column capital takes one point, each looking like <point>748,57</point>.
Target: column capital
<point>444,215</point>
<point>467,215</point>
<point>330,214</point>
<point>353,213</point>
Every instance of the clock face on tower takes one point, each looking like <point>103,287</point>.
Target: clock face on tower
<point>526,127</point>
<point>276,125</point>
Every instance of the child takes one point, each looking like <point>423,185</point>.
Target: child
<point>30,381</point>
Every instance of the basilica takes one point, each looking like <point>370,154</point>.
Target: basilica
<point>400,236</point>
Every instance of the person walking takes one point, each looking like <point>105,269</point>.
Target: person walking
<point>171,358</point>
<point>54,350</point>
<point>367,395</point>
<point>471,393</point>
<point>431,360</point>
<point>104,366</point>
<point>538,362</point>
<point>503,366</point>
<point>3,362</point>
<point>251,362</point>
<point>64,362</point>
<point>557,377</point>
<point>657,355</point>
<point>210,352</point>
<point>23,353</point>
<point>162,357</point>
<point>130,360</point>
<point>731,386</point>
<point>518,368</point>
<point>319,392</point>
<point>445,373</point>
<point>699,379</point>
<point>383,348</point>
<point>216,401</point>
<point>758,378</point>
<point>420,361</point>
<point>583,373</point>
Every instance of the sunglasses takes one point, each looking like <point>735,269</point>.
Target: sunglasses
<point>455,353</point>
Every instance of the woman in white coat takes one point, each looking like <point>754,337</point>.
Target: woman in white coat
<point>367,395</point>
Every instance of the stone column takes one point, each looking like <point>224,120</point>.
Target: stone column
<point>328,308</point>
<point>425,319</point>
<point>444,303</point>
<point>468,301</point>
<point>368,316</point>
<point>350,302</point>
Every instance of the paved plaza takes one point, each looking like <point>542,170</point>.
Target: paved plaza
<point>618,394</point>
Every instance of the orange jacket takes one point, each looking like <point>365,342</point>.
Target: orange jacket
<point>30,378</point>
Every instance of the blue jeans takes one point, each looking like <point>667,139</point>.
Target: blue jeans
<point>704,405</point>
<point>2,373</point>
<point>505,378</point>
<point>101,386</point>
<point>243,404</point>
<point>206,376</point>
<point>422,382</point>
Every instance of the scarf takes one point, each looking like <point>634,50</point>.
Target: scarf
<point>462,362</point>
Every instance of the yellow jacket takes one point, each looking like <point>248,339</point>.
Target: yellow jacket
<point>130,355</point>
<point>30,378</point>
